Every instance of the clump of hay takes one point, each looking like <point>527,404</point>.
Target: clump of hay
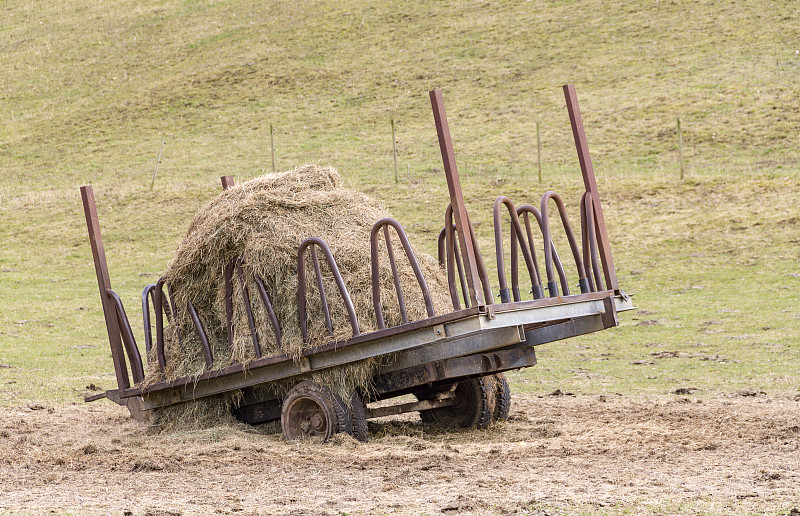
<point>195,415</point>
<point>264,221</point>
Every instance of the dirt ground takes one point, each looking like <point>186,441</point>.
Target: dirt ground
<point>556,455</point>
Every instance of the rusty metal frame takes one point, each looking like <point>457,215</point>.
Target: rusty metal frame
<point>235,268</point>
<point>201,333</point>
<point>273,318</point>
<point>454,255</point>
<point>457,200</point>
<point>104,284</point>
<point>536,284</point>
<point>227,182</point>
<point>552,286</point>
<point>462,342</point>
<point>134,357</point>
<point>450,370</point>
<point>527,250</point>
<point>538,291</point>
<point>160,309</point>
<point>589,242</point>
<point>448,254</point>
<point>384,225</point>
<point>248,307</point>
<point>585,159</point>
<point>314,243</point>
<point>147,297</point>
<point>445,336</point>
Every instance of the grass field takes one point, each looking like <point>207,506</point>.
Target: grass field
<point>713,264</point>
<point>91,88</point>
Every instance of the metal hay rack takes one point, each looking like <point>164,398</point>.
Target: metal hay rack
<point>453,362</point>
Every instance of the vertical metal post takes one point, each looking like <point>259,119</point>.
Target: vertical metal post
<point>227,182</point>
<point>539,151</point>
<point>680,146</point>
<point>104,284</point>
<point>394,152</point>
<point>591,185</point>
<point>158,160</point>
<point>465,233</point>
<point>272,146</point>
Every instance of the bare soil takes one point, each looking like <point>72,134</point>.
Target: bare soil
<point>556,455</point>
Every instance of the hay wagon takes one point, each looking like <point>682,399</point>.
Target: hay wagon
<point>452,363</point>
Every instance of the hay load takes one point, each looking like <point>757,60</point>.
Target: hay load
<point>264,221</point>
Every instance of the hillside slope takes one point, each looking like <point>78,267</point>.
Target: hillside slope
<point>91,87</point>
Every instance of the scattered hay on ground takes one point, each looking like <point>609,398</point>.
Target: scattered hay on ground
<point>197,414</point>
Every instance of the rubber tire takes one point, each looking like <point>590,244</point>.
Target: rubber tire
<point>308,400</point>
<point>426,416</point>
<point>474,406</point>
<point>502,402</point>
<point>344,422</point>
<point>358,418</point>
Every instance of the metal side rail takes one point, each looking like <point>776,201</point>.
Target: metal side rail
<point>451,335</point>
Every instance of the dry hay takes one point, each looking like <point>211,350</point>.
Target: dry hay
<point>264,221</point>
<point>203,413</point>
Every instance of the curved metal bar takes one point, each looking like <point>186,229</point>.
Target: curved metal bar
<point>453,254</point>
<point>395,276</point>
<point>201,332</point>
<point>440,247</point>
<point>585,244</point>
<point>326,311</point>
<point>548,255</point>
<point>262,292</point>
<point>375,276</point>
<point>170,308</point>
<point>536,283</point>
<point>248,308</point>
<point>134,358</point>
<point>147,296</point>
<point>460,268</point>
<point>482,275</point>
<point>172,314</point>
<point>450,251</point>
<point>525,210</point>
<point>515,265</point>
<point>505,295</point>
<point>158,306</point>
<point>229,301</point>
<point>376,287</point>
<point>301,285</point>
<point>590,255</point>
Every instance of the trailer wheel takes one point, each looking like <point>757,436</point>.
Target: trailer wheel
<point>473,406</point>
<point>502,401</point>
<point>358,418</point>
<point>312,411</point>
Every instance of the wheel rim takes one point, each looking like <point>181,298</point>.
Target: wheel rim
<point>306,418</point>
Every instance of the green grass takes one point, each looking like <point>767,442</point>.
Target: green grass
<point>90,88</point>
